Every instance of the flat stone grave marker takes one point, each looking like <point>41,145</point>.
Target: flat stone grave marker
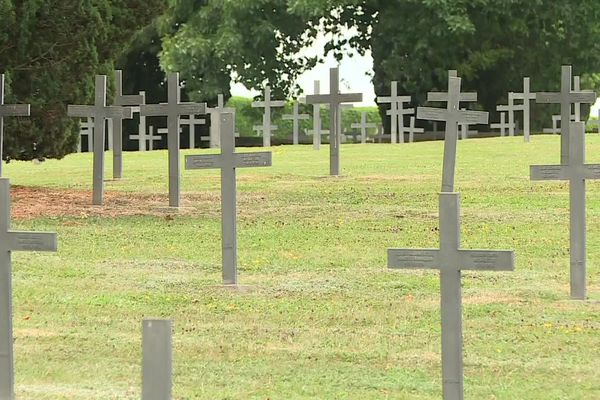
<point>267,104</point>
<point>396,112</point>
<point>191,121</point>
<point>86,129</point>
<point>295,117</point>
<point>11,241</point>
<point>450,259</point>
<point>576,172</point>
<point>566,97</point>
<point>9,110</point>
<point>100,112</point>
<point>173,110</point>
<point>364,126</point>
<point>412,130</point>
<point>116,123</point>
<point>228,161</point>
<point>157,359</point>
<point>334,99</point>
<point>527,96</point>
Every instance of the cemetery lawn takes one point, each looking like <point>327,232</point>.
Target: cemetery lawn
<point>320,316</point>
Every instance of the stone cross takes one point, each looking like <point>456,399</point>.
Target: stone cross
<point>214,120</point>
<point>295,117</point>
<point>153,138</point>
<point>9,110</point>
<point>412,130</point>
<point>577,106</point>
<point>334,99</point>
<point>527,97</point>
<point>576,172</point>
<point>267,104</point>
<point>450,259</point>
<point>12,241</point>
<point>191,122</point>
<point>502,125</point>
<point>452,116</point>
<point>117,123</point>
<point>228,161</point>
<point>173,110</point>
<point>157,359</point>
<point>363,126</point>
<point>100,112</point>
<point>442,97</point>
<point>566,97</point>
<point>316,130</point>
<point>86,129</point>
<point>259,129</point>
<point>142,135</point>
<point>510,110</point>
<point>396,112</point>
<point>340,123</point>
<point>321,132</point>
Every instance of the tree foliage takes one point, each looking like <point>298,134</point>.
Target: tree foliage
<point>50,51</point>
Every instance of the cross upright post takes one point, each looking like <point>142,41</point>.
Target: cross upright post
<point>117,129</point>
<point>576,172</point>
<point>334,99</point>
<point>228,161</point>
<point>12,241</point>
<point>295,117</point>
<point>9,110</point>
<point>86,128</point>
<point>215,112</point>
<point>267,104</point>
<point>566,97</point>
<point>173,110</point>
<point>363,126</point>
<point>412,130</point>
<point>157,359</point>
<point>316,131</point>
<point>527,96</point>
<point>100,112</point>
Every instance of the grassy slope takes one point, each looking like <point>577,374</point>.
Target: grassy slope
<point>322,317</point>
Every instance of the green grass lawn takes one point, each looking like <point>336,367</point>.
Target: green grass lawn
<point>321,316</point>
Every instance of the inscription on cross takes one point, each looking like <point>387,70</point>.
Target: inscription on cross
<point>100,112</point>
<point>12,241</point>
<point>267,104</point>
<point>576,172</point>
<point>9,110</point>
<point>228,161</point>
<point>335,99</point>
<point>173,110</point>
<point>566,97</point>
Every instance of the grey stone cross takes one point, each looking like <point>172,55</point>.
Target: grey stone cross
<point>157,359</point>
<point>527,96</point>
<point>173,110</point>
<point>452,116</point>
<point>215,112</point>
<point>510,109</point>
<point>295,117</point>
<point>363,126</point>
<point>12,241</point>
<point>334,99</point>
<point>9,110</point>
<point>117,123</point>
<point>86,129</point>
<point>412,130</point>
<point>267,104</point>
<point>576,172</point>
<point>502,125</point>
<point>100,112</point>
<point>192,122</point>
<point>260,129</point>
<point>396,112</point>
<point>566,97</point>
<point>450,259</point>
<point>317,130</point>
<point>228,161</point>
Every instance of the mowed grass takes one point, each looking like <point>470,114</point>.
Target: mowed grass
<point>320,316</point>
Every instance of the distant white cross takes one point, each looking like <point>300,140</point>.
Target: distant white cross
<point>295,117</point>
<point>396,112</point>
<point>363,126</point>
<point>9,110</point>
<point>86,129</point>
<point>317,130</point>
<point>510,109</point>
<point>527,96</point>
<point>502,125</point>
<point>192,122</point>
<point>267,104</point>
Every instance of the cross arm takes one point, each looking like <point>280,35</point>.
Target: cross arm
<point>486,260</point>
<point>413,259</point>
<point>547,98</point>
<point>548,172</point>
<point>80,111</point>
<point>205,161</point>
<point>443,97</point>
<point>119,112</point>
<point>432,114</point>
<point>318,99</point>
<point>15,110</point>
<point>32,241</point>
<point>256,159</point>
<point>474,117</point>
<point>130,100</point>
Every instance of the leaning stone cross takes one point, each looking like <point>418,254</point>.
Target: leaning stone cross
<point>450,259</point>
<point>9,110</point>
<point>334,99</point>
<point>173,110</point>
<point>100,112</point>
<point>12,241</point>
<point>576,172</point>
<point>228,161</point>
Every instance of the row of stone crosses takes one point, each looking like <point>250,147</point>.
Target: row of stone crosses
<point>450,259</point>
